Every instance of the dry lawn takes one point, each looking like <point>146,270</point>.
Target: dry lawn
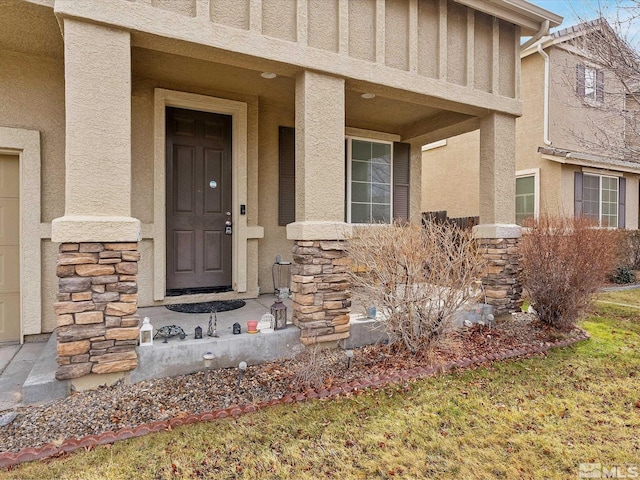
<point>626,297</point>
<point>533,418</point>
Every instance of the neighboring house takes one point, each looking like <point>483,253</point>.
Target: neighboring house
<point>571,155</point>
<point>133,131</point>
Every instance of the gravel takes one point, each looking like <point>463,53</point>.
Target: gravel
<point>113,407</point>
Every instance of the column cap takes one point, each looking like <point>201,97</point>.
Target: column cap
<point>75,229</point>
<point>311,230</point>
<point>497,230</point>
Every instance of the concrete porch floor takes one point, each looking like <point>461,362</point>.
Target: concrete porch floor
<point>27,372</point>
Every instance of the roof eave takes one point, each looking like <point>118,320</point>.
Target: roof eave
<point>529,17</point>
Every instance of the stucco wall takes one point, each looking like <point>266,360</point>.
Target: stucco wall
<point>22,105</point>
<point>450,177</point>
<point>530,136</point>
<point>574,125</point>
<point>429,38</point>
<point>275,237</point>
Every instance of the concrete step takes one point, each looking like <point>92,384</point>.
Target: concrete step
<point>41,384</point>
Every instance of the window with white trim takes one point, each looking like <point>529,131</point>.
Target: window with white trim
<point>590,83</point>
<point>527,194</point>
<point>525,198</point>
<point>600,199</point>
<point>369,186</point>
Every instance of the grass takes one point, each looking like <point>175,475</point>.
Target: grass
<point>628,297</point>
<point>533,418</point>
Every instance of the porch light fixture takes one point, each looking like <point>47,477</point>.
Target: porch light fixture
<point>242,366</point>
<point>268,75</point>
<point>279,312</point>
<point>368,96</point>
<point>208,362</point>
<point>146,333</point>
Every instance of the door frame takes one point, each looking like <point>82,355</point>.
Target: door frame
<point>238,111</point>
<point>26,145</point>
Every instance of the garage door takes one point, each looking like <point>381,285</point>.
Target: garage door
<point>9,248</point>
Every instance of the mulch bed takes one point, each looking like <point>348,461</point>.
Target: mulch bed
<point>127,406</point>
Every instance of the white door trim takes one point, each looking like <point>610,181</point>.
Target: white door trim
<point>26,144</point>
<point>238,111</point>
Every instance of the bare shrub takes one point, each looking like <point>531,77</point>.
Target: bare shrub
<point>564,261</point>
<point>416,276</point>
<point>316,367</point>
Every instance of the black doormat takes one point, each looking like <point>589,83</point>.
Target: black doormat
<point>174,292</point>
<point>207,307</point>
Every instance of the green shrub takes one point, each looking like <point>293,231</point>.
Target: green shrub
<point>623,275</point>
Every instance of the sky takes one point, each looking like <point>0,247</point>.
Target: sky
<point>615,11</point>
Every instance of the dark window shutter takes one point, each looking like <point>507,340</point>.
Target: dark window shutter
<point>580,80</point>
<point>622,194</point>
<point>287,176</point>
<point>401,171</point>
<point>577,194</point>
<point>600,86</point>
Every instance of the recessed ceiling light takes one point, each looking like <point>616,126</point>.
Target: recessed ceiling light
<point>268,75</point>
<point>368,95</point>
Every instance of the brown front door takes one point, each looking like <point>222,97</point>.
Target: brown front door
<point>198,202</point>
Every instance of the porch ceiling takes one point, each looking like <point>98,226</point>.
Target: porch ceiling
<point>381,113</point>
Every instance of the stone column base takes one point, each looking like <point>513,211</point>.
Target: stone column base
<point>499,245</point>
<point>321,290</point>
<point>98,326</point>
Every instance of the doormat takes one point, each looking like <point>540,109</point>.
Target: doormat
<point>207,307</point>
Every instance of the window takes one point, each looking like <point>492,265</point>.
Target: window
<point>377,184</point>
<point>600,199</point>
<point>369,172</point>
<point>589,83</point>
<point>527,192</point>
<point>525,198</point>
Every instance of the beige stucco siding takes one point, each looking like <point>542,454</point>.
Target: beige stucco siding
<point>275,237</point>
<point>22,105</point>
<point>450,177</point>
<point>574,124</point>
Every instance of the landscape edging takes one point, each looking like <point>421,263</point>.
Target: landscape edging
<point>8,459</point>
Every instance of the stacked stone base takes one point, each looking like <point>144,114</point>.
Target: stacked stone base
<point>321,290</point>
<point>502,285</point>
<point>98,326</point>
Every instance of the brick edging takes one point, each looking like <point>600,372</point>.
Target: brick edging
<point>29,454</point>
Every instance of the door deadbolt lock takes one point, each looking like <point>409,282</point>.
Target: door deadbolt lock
<point>227,230</point>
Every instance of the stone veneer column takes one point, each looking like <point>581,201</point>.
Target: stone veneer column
<point>321,290</point>
<point>501,283</point>
<point>498,236</point>
<point>98,325</point>
<point>98,259</point>
<point>319,280</point>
